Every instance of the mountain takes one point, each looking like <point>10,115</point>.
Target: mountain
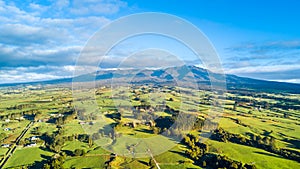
<point>184,75</point>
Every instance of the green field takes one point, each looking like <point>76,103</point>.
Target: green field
<point>261,158</point>
<point>113,131</point>
<point>24,156</point>
<point>86,162</point>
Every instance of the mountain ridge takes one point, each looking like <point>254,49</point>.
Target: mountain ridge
<point>184,74</point>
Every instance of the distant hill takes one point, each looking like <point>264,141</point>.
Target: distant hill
<point>183,74</point>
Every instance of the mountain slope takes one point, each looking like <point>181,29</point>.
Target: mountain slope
<point>184,75</point>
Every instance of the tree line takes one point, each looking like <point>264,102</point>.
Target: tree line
<point>266,143</point>
<point>198,152</point>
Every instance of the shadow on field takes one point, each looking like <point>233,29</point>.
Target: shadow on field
<point>144,131</point>
<point>143,162</point>
<point>45,149</point>
<point>180,153</point>
<point>40,164</point>
<point>45,157</point>
<point>267,133</point>
<point>288,128</point>
<point>267,154</point>
<point>68,152</point>
<point>293,143</point>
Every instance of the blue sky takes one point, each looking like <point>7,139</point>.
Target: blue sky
<point>41,40</point>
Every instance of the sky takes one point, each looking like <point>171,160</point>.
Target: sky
<point>42,39</point>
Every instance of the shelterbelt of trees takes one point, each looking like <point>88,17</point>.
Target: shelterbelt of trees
<point>199,153</point>
<point>266,143</point>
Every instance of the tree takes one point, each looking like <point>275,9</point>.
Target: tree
<point>79,152</point>
<point>235,105</point>
<point>203,163</point>
<point>234,166</point>
<point>90,141</point>
<point>151,163</point>
<point>56,148</point>
<point>46,166</point>
<point>155,130</point>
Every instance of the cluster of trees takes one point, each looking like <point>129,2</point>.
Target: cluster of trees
<point>221,161</point>
<point>34,114</point>
<point>183,122</point>
<point>164,122</point>
<point>284,103</point>
<point>196,149</point>
<point>172,132</point>
<point>267,143</point>
<point>141,115</point>
<point>54,142</point>
<point>149,114</point>
<point>87,116</point>
<point>3,136</point>
<point>200,122</point>
<point>21,106</point>
<point>68,115</point>
<point>56,162</point>
<point>108,130</point>
<point>11,115</point>
<point>79,152</point>
<point>198,152</point>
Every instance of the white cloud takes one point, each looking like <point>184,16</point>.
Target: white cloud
<point>40,42</point>
<point>262,69</point>
<point>60,4</point>
<point>97,7</point>
<point>288,81</point>
<point>26,77</point>
<point>30,74</point>
<point>39,73</point>
<point>30,37</point>
<point>38,8</point>
<point>270,60</point>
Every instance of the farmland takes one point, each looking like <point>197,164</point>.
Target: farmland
<point>148,126</point>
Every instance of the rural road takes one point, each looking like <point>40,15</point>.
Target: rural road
<point>153,159</point>
<point>14,146</point>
